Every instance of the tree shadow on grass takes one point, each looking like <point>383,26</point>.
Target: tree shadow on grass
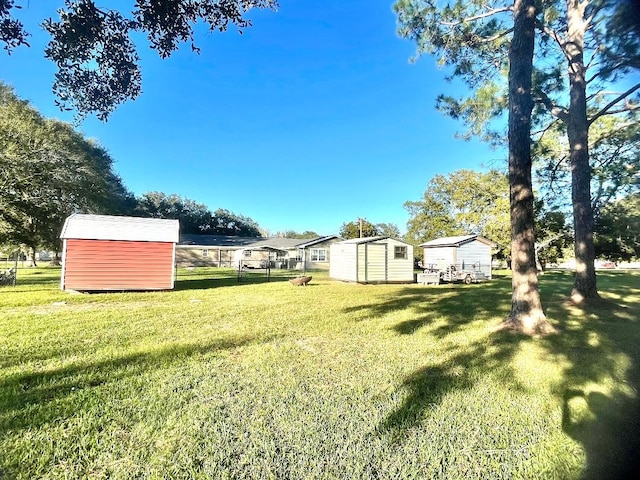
<point>441,311</point>
<point>600,344</point>
<point>449,306</point>
<point>204,282</point>
<point>430,384</point>
<point>49,392</point>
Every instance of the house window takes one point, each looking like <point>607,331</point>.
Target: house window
<point>318,254</point>
<point>400,252</point>
<point>247,254</point>
<point>205,252</point>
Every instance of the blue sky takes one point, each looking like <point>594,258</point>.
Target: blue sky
<point>312,118</point>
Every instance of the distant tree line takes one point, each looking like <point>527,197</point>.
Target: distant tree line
<point>194,217</point>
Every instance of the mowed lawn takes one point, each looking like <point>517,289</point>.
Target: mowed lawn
<point>220,379</point>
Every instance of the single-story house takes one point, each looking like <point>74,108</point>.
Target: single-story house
<point>277,252</point>
<point>466,252</point>
<point>104,252</point>
<point>195,250</point>
<point>372,260</point>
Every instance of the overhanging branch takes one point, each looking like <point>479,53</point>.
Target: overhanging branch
<point>557,111</point>
<point>489,13</point>
<point>553,34</point>
<point>622,96</point>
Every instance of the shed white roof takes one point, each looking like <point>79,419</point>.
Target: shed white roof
<point>457,241</point>
<point>108,227</point>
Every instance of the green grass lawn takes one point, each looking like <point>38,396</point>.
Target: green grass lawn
<point>220,379</point>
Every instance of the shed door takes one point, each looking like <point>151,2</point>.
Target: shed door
<point>373,265</point>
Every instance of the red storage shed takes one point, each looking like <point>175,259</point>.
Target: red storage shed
<point>102,252</point>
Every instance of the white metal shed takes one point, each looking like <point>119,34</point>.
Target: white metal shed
<point>371,260</point>
<point>466,252</point>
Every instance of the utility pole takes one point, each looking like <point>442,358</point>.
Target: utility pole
<point>360,226</point>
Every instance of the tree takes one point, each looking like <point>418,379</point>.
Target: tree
<point>47,172</point>
<point>195,218</point>
<point>614,151</point>
<point>600,52</point>
<point>294,234</point>
<point>224,222</point>
<point>390,230</point>
<point>473,38</point>
<point>553,235</point>
<point>358,228</point>
<point>596,40</point>
<point>461,203</point>
<point>526,308</point>
<point>95,53</point>
<point>617,229</point>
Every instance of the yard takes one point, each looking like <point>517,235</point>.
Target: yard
<point>220,379</point>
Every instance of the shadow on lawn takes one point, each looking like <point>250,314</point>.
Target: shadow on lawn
<point>28,401</point>
<point>443,310</point>
<point>204,281</point>
<point>598,343</point>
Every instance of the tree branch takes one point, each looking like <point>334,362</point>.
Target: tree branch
<point>490,13</point>
<point>606,71</point>
<point>557,111</point>
<point>541,245</point>
<point>497,36</point>
<point>553,34</point>
<point>622,96</point>
<point>544,130</point>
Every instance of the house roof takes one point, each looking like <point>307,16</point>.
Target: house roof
<point>217,240</point>
<point>110,227</point>
<point>315,241</point>
<point>277,243</point>
<point>457,241</point>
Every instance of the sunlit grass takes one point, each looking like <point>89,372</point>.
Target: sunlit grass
<point>257,379</point>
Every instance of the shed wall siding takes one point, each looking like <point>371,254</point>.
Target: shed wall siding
<point>118,265</point>
<point>439,257</point>
<point>475,253</point>
<point>399,269</point>
<point>343,265</point>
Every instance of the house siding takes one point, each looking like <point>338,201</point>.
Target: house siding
<point>188,256</point>
<point>318,265</point>
<point>117,265</point>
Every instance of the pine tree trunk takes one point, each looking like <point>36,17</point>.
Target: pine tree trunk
<point>526,315</point>
<point>584,286</point>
